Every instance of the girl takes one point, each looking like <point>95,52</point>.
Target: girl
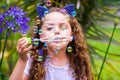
<point>59,50</point>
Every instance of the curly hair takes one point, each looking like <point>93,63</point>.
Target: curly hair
<point>79,59</point>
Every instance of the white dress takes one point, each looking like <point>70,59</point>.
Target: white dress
<point>53,72</point>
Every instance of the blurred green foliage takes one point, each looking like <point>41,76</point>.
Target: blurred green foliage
<point>97,19</point>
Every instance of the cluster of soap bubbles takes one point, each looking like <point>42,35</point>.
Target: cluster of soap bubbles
<point>45,40</point>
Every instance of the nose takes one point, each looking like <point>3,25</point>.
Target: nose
<point>57,30</point>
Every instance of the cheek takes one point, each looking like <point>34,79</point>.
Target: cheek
<point>67,32</point>
<point>41,36</point>
<point>44,33</point>
<point>48,34</point>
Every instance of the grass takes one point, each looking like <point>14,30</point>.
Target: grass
<point>111,70</point>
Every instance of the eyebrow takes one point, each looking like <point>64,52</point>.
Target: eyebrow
<point>53,23</point>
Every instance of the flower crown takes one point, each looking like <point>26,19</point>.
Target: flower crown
<point>69,9</point>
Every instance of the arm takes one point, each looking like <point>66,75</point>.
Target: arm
<point>18,72</point>
<point>25,77</point>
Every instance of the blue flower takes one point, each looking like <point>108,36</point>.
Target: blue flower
<point>14,12</point>
<point>1,19</point>
<point>21,20</point>
<point>16,20</point>
<point>10,25</point>
<point>24,29</point>
<point>0,30</point>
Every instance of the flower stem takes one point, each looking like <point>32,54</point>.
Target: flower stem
<point>106,52</point>
<point>0,42</point>
<point>3,52</point>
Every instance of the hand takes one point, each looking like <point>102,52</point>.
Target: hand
<point>23,48</point>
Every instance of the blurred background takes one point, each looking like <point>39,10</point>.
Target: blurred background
<point>98,19</point>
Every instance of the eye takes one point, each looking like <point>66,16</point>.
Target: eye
<point>50,28</point>
<point>63,27</point>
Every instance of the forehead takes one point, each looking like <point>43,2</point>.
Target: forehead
<point>56,17</point>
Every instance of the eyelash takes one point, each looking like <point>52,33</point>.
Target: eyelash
<point>63,27</point>
<point>50,28</point>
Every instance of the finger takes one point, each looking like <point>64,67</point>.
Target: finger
<point>20,45</point>
<point>24,45</point>
<point>28,49</point>
<point>20,48</point>
<point>21,39</point>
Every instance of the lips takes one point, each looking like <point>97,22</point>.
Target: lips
<point>57,39</point>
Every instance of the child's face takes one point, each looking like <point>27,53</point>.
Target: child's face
<point>56,27</point>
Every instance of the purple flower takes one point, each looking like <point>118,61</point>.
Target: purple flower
<point>1,19</point>
<point>21,20</point>
<point>10,25</point>
<point>16,20</point>
<point>14,12</point>
<point>24,29</point>
<point>0,30</point>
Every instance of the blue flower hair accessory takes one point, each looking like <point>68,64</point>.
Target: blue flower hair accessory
<point>69,9</point>
<point>42,11</point>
